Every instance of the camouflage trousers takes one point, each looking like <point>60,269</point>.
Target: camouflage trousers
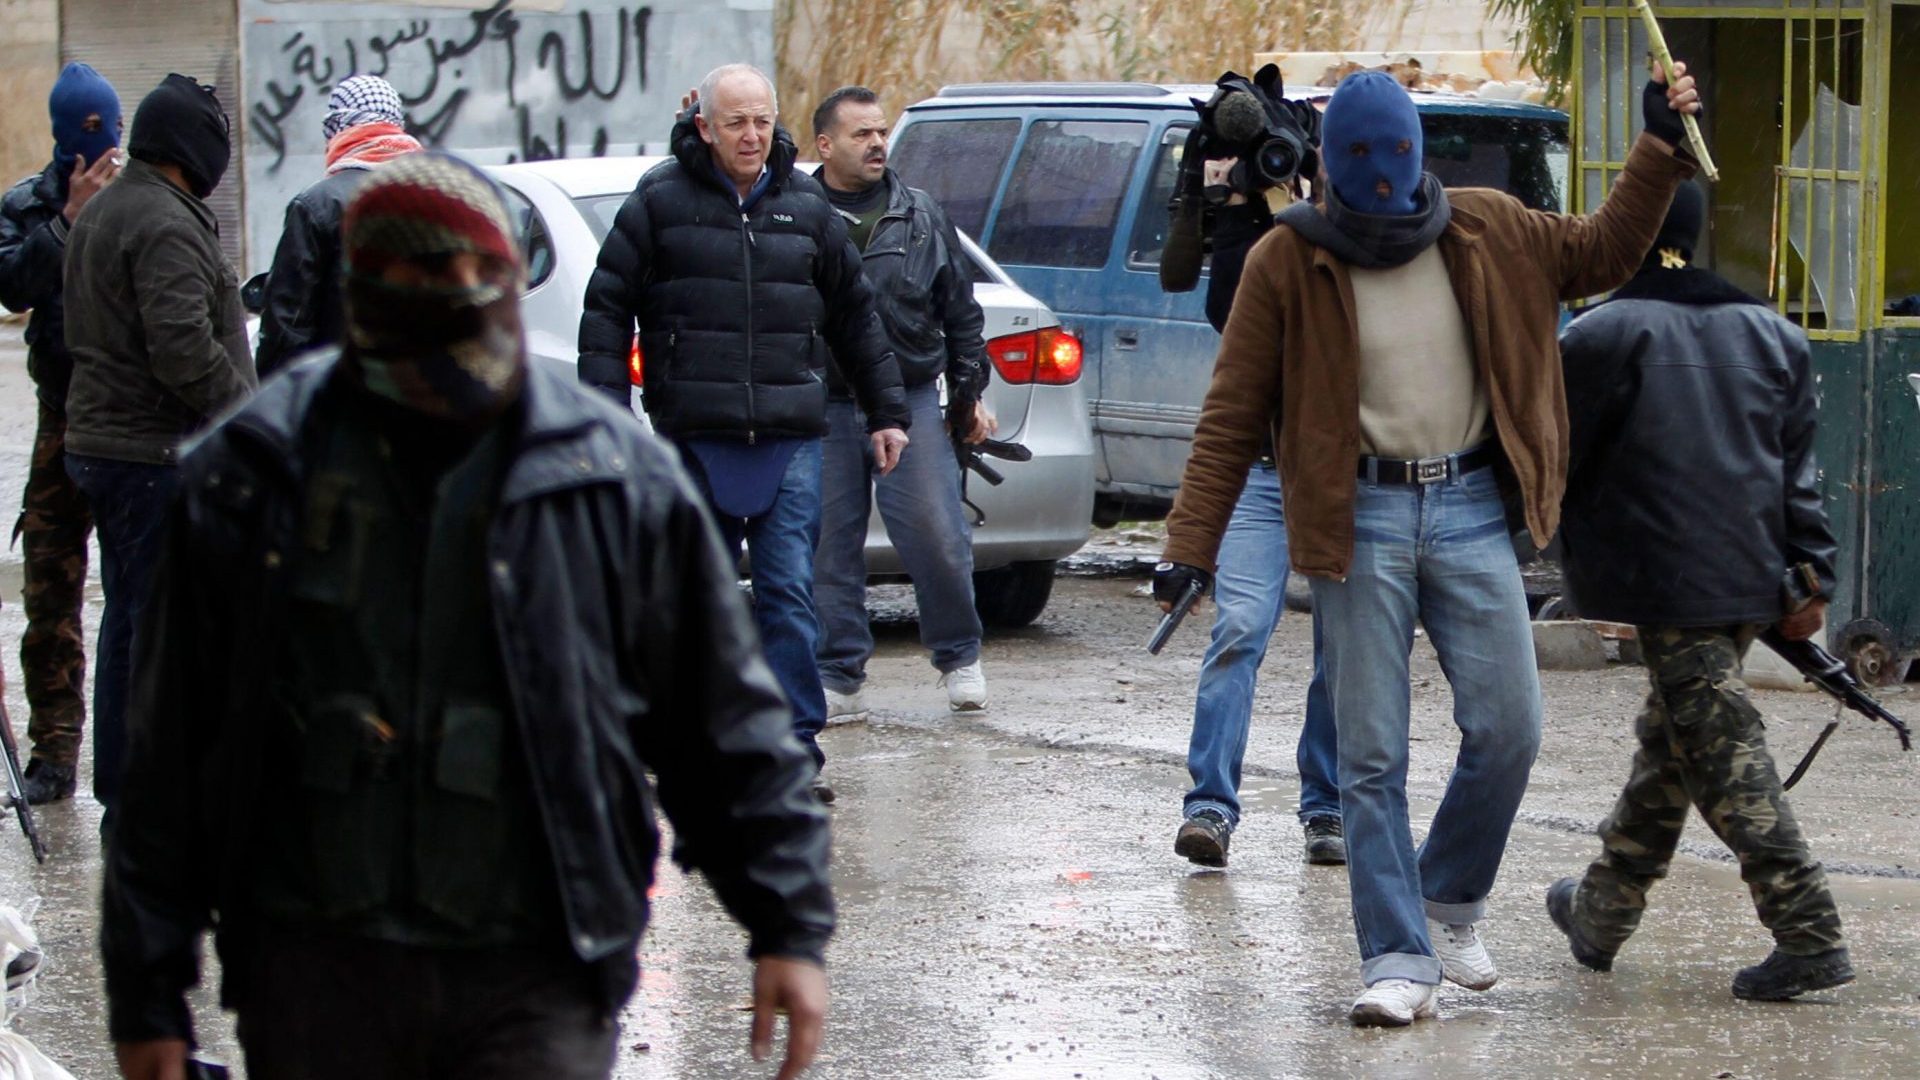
<point>53,529</point>
<point>1702,744</point>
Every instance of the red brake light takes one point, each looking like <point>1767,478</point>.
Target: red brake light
<point>636,365</point>
<point>1050,357</point>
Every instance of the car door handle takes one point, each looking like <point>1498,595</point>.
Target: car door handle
<point>1126,339</point>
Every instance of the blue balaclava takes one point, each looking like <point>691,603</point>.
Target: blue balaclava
<point>1371,133</point>
<point>81,92</point>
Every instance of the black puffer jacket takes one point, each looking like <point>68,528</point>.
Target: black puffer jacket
<point>737,309</point>
<point>33,245</point>
<point>304,309</point>
<point>924,292</point>
<point>1692,485</point>
<point>627,649</point>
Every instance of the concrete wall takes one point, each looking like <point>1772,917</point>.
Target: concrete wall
<point>29,60</point>
<point>495,80</point>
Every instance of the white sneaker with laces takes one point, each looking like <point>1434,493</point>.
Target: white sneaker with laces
<point>966,688</point>
<point>1463,957</point>
<point>845,708</point>
<point>1395,1003</point>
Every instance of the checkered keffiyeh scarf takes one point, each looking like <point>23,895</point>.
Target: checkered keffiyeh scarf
<point>441,349</point>
<point>362,99</point>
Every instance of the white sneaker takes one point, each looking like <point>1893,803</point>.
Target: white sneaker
<point>1463,958</point>
<point>966,688</point>
<point>845,708</point>
<point>1394,1003</point>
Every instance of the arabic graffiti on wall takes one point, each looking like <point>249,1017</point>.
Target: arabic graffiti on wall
<point>495,82</point>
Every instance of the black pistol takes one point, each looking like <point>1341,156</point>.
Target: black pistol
<point>1172,619</point>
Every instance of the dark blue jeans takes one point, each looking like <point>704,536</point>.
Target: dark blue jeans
<point>129,500</point>
<point>1250,592</point>
<point>920,502</point>
<point>780,545</point>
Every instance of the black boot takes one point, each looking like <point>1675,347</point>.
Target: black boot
<point>1782,975</point>
<point>1326,845</point>
<point>1203,838</point>
<point>47,782</point>
<point>1560,910</point>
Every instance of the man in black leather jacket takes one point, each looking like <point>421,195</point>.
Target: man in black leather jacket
<point>1693,511</point>
<point>426,618</point>
<point>924,290</point>
<point>743,286</point>
<point>35,218</point>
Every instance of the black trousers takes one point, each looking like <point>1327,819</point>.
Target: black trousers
<point>313,1008</point>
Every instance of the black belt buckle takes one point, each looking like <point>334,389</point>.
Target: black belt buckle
<point>1430,470</point>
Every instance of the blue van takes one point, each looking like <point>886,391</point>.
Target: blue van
<point>1066,185</point>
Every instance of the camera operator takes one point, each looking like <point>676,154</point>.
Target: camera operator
<point>1251,585</point>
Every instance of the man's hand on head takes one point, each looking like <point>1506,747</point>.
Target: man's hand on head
<point>888,444</point>
<point>87,181</point>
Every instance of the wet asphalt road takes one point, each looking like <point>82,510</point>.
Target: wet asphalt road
<point>1011,907</point>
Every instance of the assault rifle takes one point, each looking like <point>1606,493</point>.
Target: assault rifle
<point>973,458</point>
<point>1826,671</point>
<point>15,794</point>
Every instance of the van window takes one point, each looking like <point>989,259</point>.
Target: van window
<point>1150,224</point>
<point>1525,158</point>
<point>1066,193</point>
<point>958,162</point>
<point>536,247</point>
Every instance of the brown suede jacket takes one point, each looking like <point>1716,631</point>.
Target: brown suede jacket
<point>1288,359</point>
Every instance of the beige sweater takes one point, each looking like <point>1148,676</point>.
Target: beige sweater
<point>1420,391</point>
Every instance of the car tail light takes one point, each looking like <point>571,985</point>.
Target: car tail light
<point>1051,357</point>
<point>636,365</point>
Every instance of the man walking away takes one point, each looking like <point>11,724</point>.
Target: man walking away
<point>1693,497</point>
<point>427,618</point>
<point>1396,413</point>
<point>365,125</point>
<point>1250,591</point>
<point>35,219</point>
<point>741,280</point>
<point>924,293</point>
<point>159,349</point>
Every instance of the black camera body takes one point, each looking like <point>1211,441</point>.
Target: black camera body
<point>1276,141</point>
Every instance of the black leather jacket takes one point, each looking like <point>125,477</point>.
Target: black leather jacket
<point>627,649</point>
<point>1692,485</point>
<point>304,309</point>
<point>33,246</point>
<point>924,291</point>
<point>737,310</point>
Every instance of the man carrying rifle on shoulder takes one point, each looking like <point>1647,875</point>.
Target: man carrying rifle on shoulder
<point>1692,512</point>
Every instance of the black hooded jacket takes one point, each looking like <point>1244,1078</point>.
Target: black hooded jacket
<point>1692,485</point>
<point>305,308</point>
<point>33,248</point>
<point>739,311</point>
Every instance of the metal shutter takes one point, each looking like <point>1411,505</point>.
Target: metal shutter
<point>136,43</point>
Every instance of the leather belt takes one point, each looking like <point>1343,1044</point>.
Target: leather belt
<point>1431,470</point>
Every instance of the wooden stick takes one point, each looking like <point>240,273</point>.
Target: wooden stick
<point>1665,59</point>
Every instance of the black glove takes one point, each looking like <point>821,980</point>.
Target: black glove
<point>1171,580</point>
<point>1662,122</point>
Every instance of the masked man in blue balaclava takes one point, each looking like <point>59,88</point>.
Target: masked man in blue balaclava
<point>1397,340</point>
<point>54,521</point>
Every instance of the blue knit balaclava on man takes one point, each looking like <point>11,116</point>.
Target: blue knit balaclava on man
<point>79,95</point>
<point>1370,142</point>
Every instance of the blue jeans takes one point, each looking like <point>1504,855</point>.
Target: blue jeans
<point>1250,592</point>
<point>129,500</point>
<point>1438,554</point>
<point>920,503</point>
<point>780,547</point>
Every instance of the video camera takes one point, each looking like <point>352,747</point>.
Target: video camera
<point>1276,141</point>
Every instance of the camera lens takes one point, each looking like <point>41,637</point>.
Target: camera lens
<point>1278,160</point>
